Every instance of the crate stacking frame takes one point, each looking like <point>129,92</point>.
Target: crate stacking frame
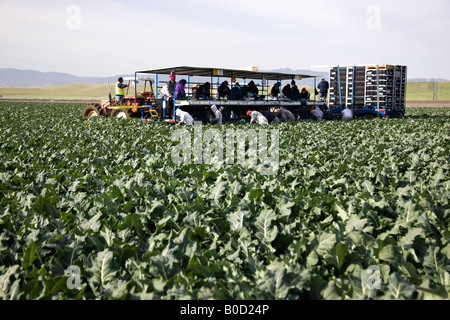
<point>378,90</point>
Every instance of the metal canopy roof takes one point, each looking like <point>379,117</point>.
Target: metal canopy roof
<point>227,73</point>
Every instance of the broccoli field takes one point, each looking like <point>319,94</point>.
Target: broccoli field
<point>96,209</point>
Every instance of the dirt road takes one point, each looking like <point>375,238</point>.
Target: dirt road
<point>58,100</point>
<point>428,104</point>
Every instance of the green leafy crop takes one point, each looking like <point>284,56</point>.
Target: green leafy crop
<point>357,210</point>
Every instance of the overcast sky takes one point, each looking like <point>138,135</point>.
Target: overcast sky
<point>105,38</point>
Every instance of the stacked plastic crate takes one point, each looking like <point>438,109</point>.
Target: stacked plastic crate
<point>400,81</point>
<point>356,87</point>
<point>376,89</point>
<point>338,86</point>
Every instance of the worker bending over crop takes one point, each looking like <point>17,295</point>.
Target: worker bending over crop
<point>284,115</point>
<point>270,116</point>
<point>257,117</point>
<point>217,115</point>
<point>317,113</point>
<point>304,112</point>
<point>347,114</point>
<point>185,118</point>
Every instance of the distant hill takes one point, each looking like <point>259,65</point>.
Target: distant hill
<point>30,78</point>
<point>10,77</point>
<point>427,80</point>
<point>307,82</point>
<point>324,75</point>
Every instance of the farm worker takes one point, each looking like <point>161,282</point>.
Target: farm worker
<point>167,92</point>
<point>275,91</point>
<point>295,91</point>
<point>305,95</point>
<point>304,112</point>
<point>257,117</point>
<point>323,90</point>
<point>203,91</point>
<point>217,115</point>
<point>180,93</point>
<point>185,118</point>
<point>347,114</point>
<point>172,76</point>
<point>317,113</point>
<point>328,115</point>
<point>224,90</point>
<point>253,89</point>
<point>236,92</point>
<point>270,116</point>
<point>286,92</point>
<point>120,89</point>
<point>285,115</point>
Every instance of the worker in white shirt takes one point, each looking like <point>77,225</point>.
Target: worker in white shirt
<point>347,114</point>
<point>185,118</point>
<point>217,115</point>
<point>317,113</point>
<point>167,93</point>
<point>257,117</point>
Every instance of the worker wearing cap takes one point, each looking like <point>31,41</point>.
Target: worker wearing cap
<point>305,95</point>
<point>257,117</point>
<point>120,89</point>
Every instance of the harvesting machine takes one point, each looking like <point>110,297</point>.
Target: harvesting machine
<point>138,104</point>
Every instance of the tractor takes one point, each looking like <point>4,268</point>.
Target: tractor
<point>130,106</point>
